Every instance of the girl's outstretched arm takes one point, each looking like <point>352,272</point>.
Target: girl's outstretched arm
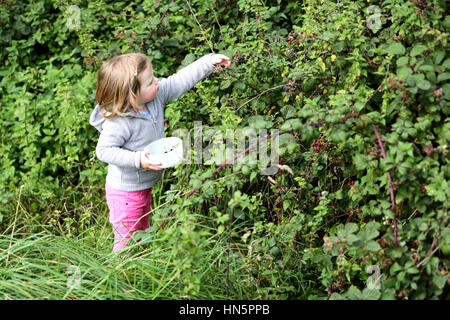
<point>179,83</point>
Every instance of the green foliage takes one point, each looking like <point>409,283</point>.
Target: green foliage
<point>325,72</point>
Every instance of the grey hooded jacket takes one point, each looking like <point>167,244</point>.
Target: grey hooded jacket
<point>123,138</point>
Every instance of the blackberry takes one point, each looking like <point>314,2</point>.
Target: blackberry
<point>240,59</point>
<point>290,87</point>
<point>334,287</point>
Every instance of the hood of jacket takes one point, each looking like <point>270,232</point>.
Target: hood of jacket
<point>96,120</point>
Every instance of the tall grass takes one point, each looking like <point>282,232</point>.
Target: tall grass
<point>47,266</point>
<point>187,259</point>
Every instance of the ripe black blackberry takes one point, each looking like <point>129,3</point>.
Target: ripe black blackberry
<point>240,59</point>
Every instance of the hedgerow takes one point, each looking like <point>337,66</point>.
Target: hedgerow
<point>359,89</point>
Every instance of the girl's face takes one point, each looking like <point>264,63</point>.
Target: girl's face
<point>149,87</point>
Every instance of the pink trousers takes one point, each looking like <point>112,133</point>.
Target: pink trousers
<point>127,213</point>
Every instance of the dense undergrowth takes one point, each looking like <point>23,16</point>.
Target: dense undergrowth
<point>356,210</point>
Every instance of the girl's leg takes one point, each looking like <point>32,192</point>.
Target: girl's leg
<point>128,213</point>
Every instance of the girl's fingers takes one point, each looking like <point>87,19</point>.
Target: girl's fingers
<point>154,166</point>
<point>148,163</point>
<point>221,59</point>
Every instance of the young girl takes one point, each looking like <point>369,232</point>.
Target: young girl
<point>129,115</point>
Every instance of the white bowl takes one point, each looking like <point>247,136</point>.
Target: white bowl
<point>167,151</point>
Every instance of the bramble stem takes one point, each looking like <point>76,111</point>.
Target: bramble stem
<point>391,187</point>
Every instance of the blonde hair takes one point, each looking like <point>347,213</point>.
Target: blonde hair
<point>118,83</point>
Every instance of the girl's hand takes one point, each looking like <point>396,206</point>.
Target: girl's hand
<point>147,163</point>
<point>220,59</point>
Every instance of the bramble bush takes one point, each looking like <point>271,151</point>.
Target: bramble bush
<point>359,89</point>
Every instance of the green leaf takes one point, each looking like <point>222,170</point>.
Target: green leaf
<point>351,238</point>
<point>440,281</point>
<point>354,293</point>
<point>371,230</point>
<point>188,59</point>
<point>426,67</point>
<point>418,49</point>
<point>394,268</point>
<point>418,77</point>
<point>438,56</point>
<point>370,294</point>
<point>443,76</point>
<point>360,161</point>
<point>404,72</point>
<point>424,84</point>
<point>413,270</point>
<point>351,227</point>
<point>327,36</point>
<point>396,48</point>
<point>446,64</point>
<point>402,61</point>
<point>372,246</point>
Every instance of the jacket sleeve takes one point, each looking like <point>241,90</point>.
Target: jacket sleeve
<point>179,83</point>
<point>109,149</point>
